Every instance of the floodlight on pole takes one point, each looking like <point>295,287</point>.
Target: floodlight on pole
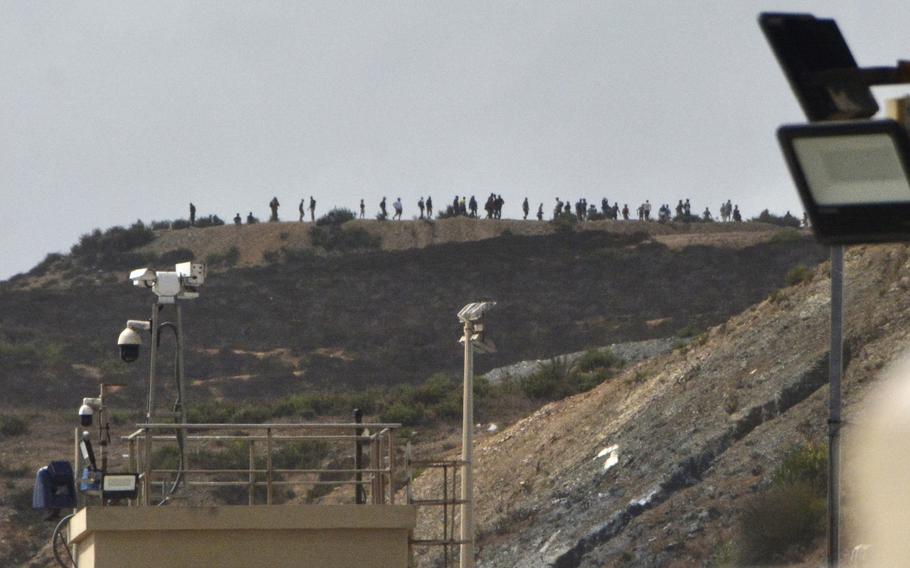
<point>474,338</point>
<point>852,175</point>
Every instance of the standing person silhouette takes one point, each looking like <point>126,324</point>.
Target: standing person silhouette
<point>312,209</point>
<point>300,208</point>
<point>192,215</point>
<point>273,205</point>
<point>362,209</point>
<point>429,207</point>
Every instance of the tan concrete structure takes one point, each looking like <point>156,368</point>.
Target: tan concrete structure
<point>317,536</point>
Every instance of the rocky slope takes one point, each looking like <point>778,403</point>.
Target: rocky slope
<point>691,434</point>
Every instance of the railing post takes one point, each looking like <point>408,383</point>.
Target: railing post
<point>268,461</point>
<point>360,497</point>
<point>391,466</point>
<point>252,478</point>
<point>147,474</point>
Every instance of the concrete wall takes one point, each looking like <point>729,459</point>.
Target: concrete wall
<point>323,536</point>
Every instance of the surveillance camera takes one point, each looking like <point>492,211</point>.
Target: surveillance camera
<point>85,415</point>
<point>129,342</point>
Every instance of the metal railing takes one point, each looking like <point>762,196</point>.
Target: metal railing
<point>443,499</point>
<point>207,456</point>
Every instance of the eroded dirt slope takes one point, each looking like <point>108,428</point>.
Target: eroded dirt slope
<point>696,431</point>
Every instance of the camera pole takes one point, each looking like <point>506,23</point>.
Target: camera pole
<point>835,373</point>
<point>153,361</point>
<point>466,552</point>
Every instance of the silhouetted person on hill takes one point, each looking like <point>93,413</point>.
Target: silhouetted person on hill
<point>429,207</point>
<point>687,208</point>
<point>498,203</point>
<point>737,216</point>
<point>472,205</point>
<point>192,214</point>
<point>625,212</point>
<point>706,216</point>
<point>558,209</point>
<point>273,204</point>
<point>382,210</point>
<point>525,208</point>
<point>422,206</point>
<point>605,207</point>
<point>615,214</point>
<point>540,212</point>
<point>363,209</point>
<point>567,208</point>
<point>312,209</point>
<point>250,219</point>
<point>398,208</point>
<point>237,219</point>
<point>301,209</point>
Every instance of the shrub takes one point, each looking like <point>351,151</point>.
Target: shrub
<point>336,216</point>
<point>42,267</point>
<point>805,464</point>
<point>447,213</point>
<point>549,380</point>
<point>178,224</point>
<point>786,236</point>
<point>798,275</point>
<point>97,247</point>
<point>594,359</point>
<point>565,223</point>
<point>209,221</point>
<point>332,238</point>
<point>690,330</point>
<point>160,225</point>
<point>12,426</point>
<point>403,414</point>
<point>775,526</point>
<point>786,220</point>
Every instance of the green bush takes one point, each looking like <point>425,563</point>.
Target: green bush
<point>332,238</point>
<point>786,236</point>
<point>45,265</point>
<point>777,525</point>
<point>564,223</point>
<point>805,464</point>
<point>402,413</point>
<point>336,216</point>
<point>781,523</point>
<point>549,381</point>
<point>12,426</point>
<point>786,220</point>
<point>594,359</point>
<point>113,240</point>
<point>175,256</point>
<point>209,221</point>
<point>798,275</point>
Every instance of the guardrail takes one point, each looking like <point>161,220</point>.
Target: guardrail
<point>168,456</point>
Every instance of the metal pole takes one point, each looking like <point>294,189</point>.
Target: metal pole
<point>153,361</point>
<point>360,497</point>
<point>835,372</point>
<point>466,552</point>
<point>180,367</point>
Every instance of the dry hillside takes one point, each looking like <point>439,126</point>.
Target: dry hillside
<point>697,432</point>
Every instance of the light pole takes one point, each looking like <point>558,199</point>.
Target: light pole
<point>474,338</point>
<point>852,174</point>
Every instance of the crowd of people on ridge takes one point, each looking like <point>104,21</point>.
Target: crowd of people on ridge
<point>463,206</point>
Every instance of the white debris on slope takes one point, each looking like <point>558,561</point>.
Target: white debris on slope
<point>612,453</point>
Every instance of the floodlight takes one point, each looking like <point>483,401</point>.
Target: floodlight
<point>474,311</point>
<point>819,66</point>
<point>852,178</point>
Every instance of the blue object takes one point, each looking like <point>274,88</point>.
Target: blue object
<point>55,487</point>
<point>90,482</point>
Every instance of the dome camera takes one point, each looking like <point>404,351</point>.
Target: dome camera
<point>85,415</point>
<point>129,342</point>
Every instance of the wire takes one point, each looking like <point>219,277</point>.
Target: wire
<point>178,408</point>
<point>66,548</point>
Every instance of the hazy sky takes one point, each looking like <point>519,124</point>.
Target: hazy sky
<point>117,111</point>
